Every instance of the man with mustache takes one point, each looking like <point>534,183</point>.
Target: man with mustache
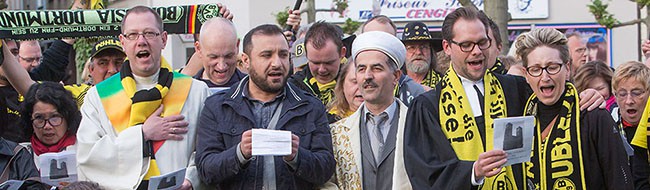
<point>420,55</point>
<point>264,100</point>
<point>368,144</point>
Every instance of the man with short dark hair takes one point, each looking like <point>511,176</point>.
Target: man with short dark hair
<point>141,123</point>
<point>325,52</point>
<point>264,100</point>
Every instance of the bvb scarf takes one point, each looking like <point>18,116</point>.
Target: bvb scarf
<point>324,92</point>
<point>499,68</point>
<point>640,138</point>
<point>557,163</point>
<point>126,107</point>
<point>431,79</point>
<point>458,124</point>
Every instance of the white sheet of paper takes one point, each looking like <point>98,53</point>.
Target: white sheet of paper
<point>168,181</point>
<point>514,135</point>
<point>271,142</point>
<point>58,167</point>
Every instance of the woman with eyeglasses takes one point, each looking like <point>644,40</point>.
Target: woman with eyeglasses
<point>630,84</point>
<point>572,149</point>
<point>51,118</point>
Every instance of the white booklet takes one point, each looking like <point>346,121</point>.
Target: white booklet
<point>514,135</point>
<point>168,181</point>
<point>58,168</point>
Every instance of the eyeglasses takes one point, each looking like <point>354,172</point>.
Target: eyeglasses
<point>54,121</point>
<point>551,69</point>
<point>469,46</point>
<point>422,47</point>
<point>622,94</point>
<point>31,59</point>
<point>135,35</point>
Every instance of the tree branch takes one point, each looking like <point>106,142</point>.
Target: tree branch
<point>631,22</point>
<point>326,10</point>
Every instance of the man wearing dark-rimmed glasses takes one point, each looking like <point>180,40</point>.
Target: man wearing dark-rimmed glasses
<point>448,140</point>
<point>143,117</point>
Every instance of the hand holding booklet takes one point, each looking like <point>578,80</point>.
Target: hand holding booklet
<point>514,135</point>
<point>271,142</point>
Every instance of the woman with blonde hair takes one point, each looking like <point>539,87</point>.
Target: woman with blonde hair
<point>572,149</point>
<point>347,97</point>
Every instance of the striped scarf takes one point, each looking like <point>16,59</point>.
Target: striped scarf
<point>125,106</point>
<point>557,162</point>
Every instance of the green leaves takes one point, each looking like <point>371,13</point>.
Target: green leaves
<point>602,16</point>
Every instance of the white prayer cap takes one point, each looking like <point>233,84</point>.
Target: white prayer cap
<point>383,42</point>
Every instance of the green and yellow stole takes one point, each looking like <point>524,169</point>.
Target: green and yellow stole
<point>126,107</point>
<point>458,124</point>
<point>640,138</point>
<point>557,163</point>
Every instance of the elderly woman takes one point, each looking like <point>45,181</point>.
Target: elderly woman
<point>596,75</point>
<point>347,96</point>
<point>50,117</point>
<point>631,89</point>
<point>572,149</point>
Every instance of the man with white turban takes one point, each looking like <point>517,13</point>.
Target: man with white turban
<point>368,144</point>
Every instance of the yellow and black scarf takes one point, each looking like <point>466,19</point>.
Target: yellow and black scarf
<point>499,68</point>
<point>557,163</point>
<point>640,138</point>
<point>324,92</point>
<point>458,124</point>
<point>125,106</point>
<point>431,79</point>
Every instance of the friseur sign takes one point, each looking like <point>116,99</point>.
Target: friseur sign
<point>423,10</point>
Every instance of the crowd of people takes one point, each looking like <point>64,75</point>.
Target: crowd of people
<point>368,111</point>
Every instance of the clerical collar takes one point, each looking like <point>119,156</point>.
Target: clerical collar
<point>468,86</point>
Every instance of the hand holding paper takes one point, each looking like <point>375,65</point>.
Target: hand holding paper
<point>271,142</point>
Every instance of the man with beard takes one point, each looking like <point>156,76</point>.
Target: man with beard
<point>141,123</point>
<point>264,100</point>
<point>420,55</point>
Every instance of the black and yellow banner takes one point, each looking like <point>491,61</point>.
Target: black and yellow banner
<point>55,24</point>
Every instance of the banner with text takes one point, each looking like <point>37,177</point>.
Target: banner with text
<point>54,24</point>
<point>422,10</point>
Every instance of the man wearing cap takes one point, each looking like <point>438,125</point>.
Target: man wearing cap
<point>106,59</point>
<point>420,55</point>
<point>217,48</point>
<point>368,145</point>
<point>325,51</point>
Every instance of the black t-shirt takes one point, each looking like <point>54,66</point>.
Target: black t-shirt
<point>10,126</point>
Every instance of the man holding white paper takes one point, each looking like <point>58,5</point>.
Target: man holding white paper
<point>264,100</point>
<point>369,143</point>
